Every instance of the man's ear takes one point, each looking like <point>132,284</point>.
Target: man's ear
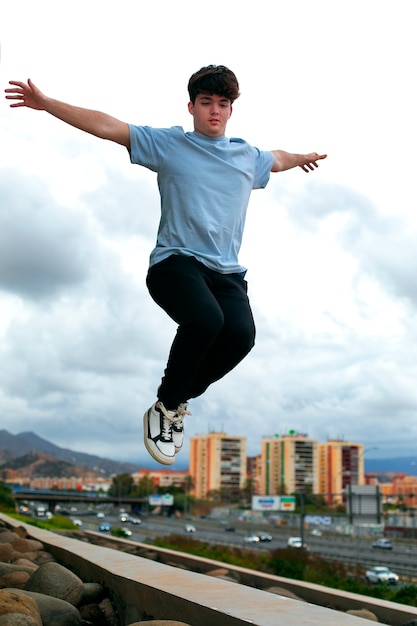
<point>231,111</point>
<point>190,108</point>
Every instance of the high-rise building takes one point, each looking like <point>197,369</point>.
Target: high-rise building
<point>288,464</point>
<point>218,464</point>
<point>341,463</point>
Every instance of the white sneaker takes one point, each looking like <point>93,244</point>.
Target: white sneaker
<point>157,433</point>
<point>178,426</point>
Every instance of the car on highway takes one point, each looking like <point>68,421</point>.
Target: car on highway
<point>230,529</point>
<point>381,574</point>
<point>251,539</point>
<point>189,528</point>
<point>264,537</point>
<point>295,542</point>
<point>382,544</point>
<point>135,520</point>
<point>104,527</point>
<point>77,522</point>
<point>125,532</point>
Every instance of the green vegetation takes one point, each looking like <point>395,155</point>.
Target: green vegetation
<point>57,522</point>
<point>296,564</point>
<point>7,503</point>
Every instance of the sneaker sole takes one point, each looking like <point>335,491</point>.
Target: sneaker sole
<point>152,448</point>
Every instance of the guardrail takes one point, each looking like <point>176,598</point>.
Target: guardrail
<point>147,589</point>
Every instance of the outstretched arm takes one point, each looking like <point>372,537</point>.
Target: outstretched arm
<point>93,122</point>
<point>286,161</point>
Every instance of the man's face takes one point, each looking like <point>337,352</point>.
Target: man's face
<point>211,114</point>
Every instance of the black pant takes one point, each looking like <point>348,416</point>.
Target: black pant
<point>216,327</point>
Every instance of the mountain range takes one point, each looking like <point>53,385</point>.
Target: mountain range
<point>28,444</point>
<point>13,447</point>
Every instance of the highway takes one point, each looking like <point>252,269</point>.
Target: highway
<point>344,549</point>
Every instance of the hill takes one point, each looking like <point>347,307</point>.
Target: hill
<point>41,465</point>
<point>16,446</point>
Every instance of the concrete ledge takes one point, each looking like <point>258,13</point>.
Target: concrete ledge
<point>391,613</point>
<point>144,589</point>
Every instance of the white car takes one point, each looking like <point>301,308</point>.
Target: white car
<point>189,528</point>
<point>252,539</point>
<point>295,542</point>
<point>380,574</point>
<point>383,544</point>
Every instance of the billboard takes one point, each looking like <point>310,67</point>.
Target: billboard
<point>165,499</point>
<point>364,501</point>
<point>273,503</point>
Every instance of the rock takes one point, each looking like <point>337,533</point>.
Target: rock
<point>17,619</point>
<point>14,579</point>
<point>53,611</point>
<point>224,574</point>
<point>364,613</point>
<point>91,614</point>
<point>7,536</point>
<point>7,568</point>
<point>26,545</point>
<point>25,563</point>
<point>40,557</point>
<point>11,602</point>
<point>109,613</point>
<point>92,592</point>
<point>56,581</point>
<point>6,552</point>
<point>281,591</point>
<point>21,531</point>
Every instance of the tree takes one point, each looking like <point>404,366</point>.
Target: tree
<point>122,485</point>
<point>145,486</point>
<point>6,499</point>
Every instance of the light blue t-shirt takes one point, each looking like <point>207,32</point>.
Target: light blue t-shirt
<point>205,184</point>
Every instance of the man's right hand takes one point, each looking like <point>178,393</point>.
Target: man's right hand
<point>26,94</point>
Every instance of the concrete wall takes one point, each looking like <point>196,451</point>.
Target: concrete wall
<point>145,589</point>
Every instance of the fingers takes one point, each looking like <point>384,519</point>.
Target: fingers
<point>312,161</point>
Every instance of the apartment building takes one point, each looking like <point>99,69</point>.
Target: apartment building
<point>218,464</point>
<point>162,477</point>
<point>341,463</point>
<point>288,464</point>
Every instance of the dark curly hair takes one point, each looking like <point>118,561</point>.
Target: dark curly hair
<point>214,79</point>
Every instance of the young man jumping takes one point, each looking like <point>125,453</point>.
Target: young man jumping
<point>205,180</point>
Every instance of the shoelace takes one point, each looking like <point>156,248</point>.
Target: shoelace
<point>166,431</point>
<point>171,417</point>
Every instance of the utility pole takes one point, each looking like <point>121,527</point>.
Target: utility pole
<point>302,516</point>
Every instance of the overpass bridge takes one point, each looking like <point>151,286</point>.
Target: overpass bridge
<point>52,497</point>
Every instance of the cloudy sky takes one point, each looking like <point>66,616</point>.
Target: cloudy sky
<point>332,255</point>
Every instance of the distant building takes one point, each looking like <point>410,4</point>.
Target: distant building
<point>253,471</point>
<point>396,488</point>
<point>87,482</point>
<point>288,464</point>
<point>340,463</point>
<point>218,464</point>
<point>162,478</point>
